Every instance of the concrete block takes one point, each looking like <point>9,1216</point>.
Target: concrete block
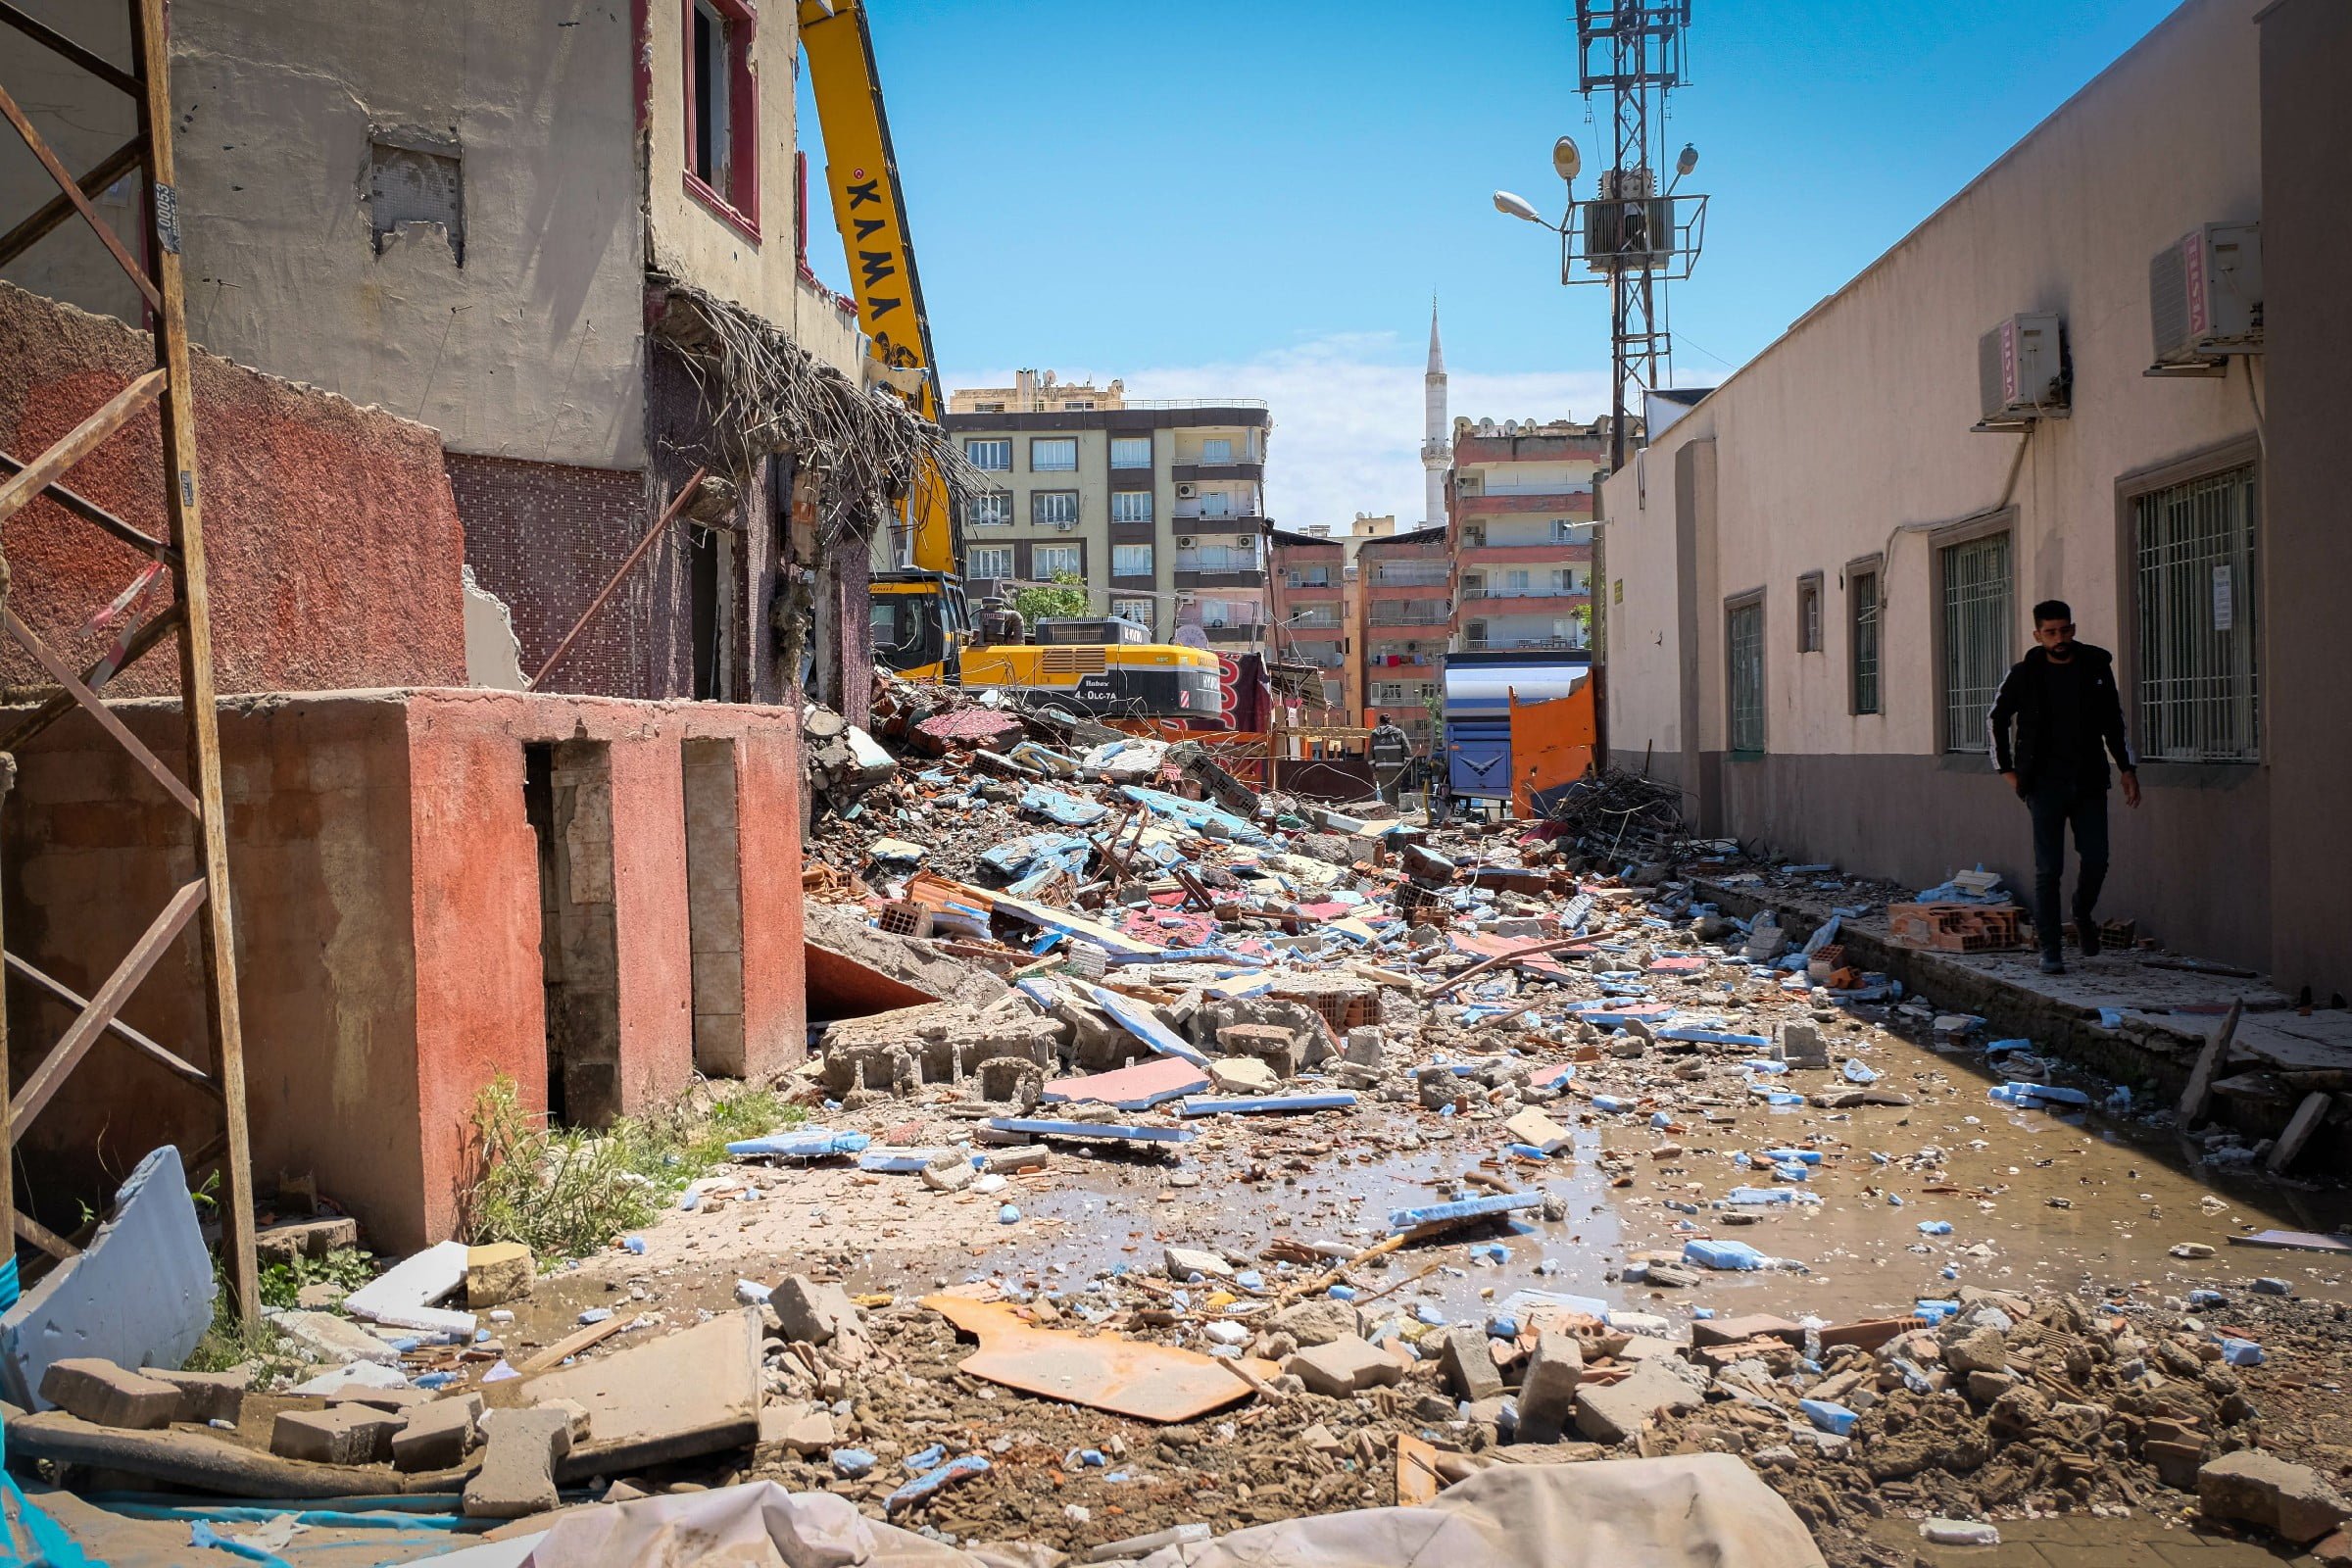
<point>139,1294</point>
<point>2261,1488</point>
<point>816,1313</point>
<point>498,1272</point>
<point>105,1394</point>
<point>518,1466</point>
<point>1365,1048</point>
<point>1317,1322</point>
<point>1745,1326</point>
<point>306,1238</point>
<point>330,1339</point>
<point>949,1175</point>
<point>1538,1130</point>
<point>340,1434</point>
<point>1611,1413</point>
<point>1547,1389</point>
<point>1183,1263</point>
<point>205,1396</point>
<point>684,1394</point>
<point>1462,1354</point>
<point>402,1296</point>
<point>1343,1368</point>
<point>1242,1075</point>
<point>437,1435</point>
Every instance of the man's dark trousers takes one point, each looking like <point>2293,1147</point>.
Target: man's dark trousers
<point>2055,806</point>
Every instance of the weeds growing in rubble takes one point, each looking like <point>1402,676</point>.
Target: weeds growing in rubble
<point>566,1191</point>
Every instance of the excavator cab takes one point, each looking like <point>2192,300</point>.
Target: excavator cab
<point>920,623</point>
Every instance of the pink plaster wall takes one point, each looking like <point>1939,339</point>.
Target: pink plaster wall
<point>775,990</point>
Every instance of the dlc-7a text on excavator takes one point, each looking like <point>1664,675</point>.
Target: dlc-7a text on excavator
<point>922,623</point>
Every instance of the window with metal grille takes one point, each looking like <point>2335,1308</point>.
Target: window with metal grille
<point>991,511</point>
<point>994,456</point>
<point>1056,509</point>
<point>1138,611</point>
<point>1808,613</point>
<point>1131,452</point>
<point>2193,565</point>
<point>1745,639</point>
<point>1131,560</point>
<point>1864,589</point>
<point>1131,506</point>
<point>1052,454</point>
<point>1978,628</point>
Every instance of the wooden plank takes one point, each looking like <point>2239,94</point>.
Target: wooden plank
<point>183,506</point>
<point>49,1076</point>
<point>162,1054</point>
<point>677,504</point>
<point>73,192</point>
<point>62,673</point>
<point>2299,1128</point>
<point>106,668</point>
<point>90,59</point>
<point>573,1344</point>
<point>79,442</point>
<point>90,511</point>
<point>30,232</point>
<point>41,1236</point>
<point>2199,1093</point>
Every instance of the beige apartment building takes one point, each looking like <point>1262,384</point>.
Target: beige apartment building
<point>1158,507</point>
<point>1307,580</point>
<point>1519,501</point>
<point>2109,371</point>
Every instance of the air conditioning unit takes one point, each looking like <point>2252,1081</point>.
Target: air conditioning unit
<point>1062,525</point>
<point>1187,492</point>
<point>2205,295</point>
<point>1185,543</point>
<point>2021,373</point>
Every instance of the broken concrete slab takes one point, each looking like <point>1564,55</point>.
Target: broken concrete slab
<point>1611,1413</point>
<point>1547,1389</point>
<point>402,1296</point>
<point>340,1434</point>
<point>1344,1367</point>
<point>1137,1087</point>
<point>940,1042</point>
<point>202,1461</point>
<point>694,1391</point>
<point>817,1312</point>
<point>498,1272</point>
<point>1103,1371</point>
<point>1538,1130</point>
<point>1468,1366</point>
<point>140,1294</point>
<point>1186,1262</point>
<point>306,1238</point>
<point>856,968</point>
<point>205,1396</point>
<point>518,1466</point>
<point>1242,1075</point>
<point>437,1436</point>
<point>108,1395</point>
<point>2292,1501</point>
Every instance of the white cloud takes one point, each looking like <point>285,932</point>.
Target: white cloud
<point>1347,415</point>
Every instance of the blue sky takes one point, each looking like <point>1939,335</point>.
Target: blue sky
<point>1259,199</point>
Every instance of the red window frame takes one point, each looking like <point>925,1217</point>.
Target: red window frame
<point>738,205</point>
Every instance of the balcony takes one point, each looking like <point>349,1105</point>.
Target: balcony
<point>1297,579</point>
<point>1237,577</point>
<point>1411,573</point>
<point>1194,519</point>
<point>1245,631</point>
<point>1507,644</point>
<point>1544,553</point>
<point>1411,613</point>
<point>1245,467</point>
<point>1490,592</point>
<point>1558,503</point>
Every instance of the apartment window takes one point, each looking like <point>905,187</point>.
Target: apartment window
<point>1217,449</point>
<point>991,511</point>
<point>415,179</point>
<point>1216,504</point>
<point>1390,692</point>
<point>1976,634</point>
<point>1052,454</point>
<point>988,407</point>
<point>1054,509</point>
<point>988,560</point>
<point>1474,634</point>
<point>1131,506</point>
<point>1138,611</point>
<point>1566,533</point>
<point>1131,560</point>
<point>1808,613</point>
<point>723,116</point>
<point>1079,406</point>
<point>1474,535</point>
<point>2194,567</point>
<point>1862,611</point>
<point>995,457</point>
<point>1474,585</point>
<point>1515,581</point>
<point>1744,638</point>
<point>1131,452</point>
<point>1055,560</point>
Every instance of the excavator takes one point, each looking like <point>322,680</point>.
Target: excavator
<point>922,624</point>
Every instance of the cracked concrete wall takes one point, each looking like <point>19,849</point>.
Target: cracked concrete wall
<point>531,348</point>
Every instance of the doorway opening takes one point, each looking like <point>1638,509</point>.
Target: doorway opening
<point>714,908</point>
<point>567,796</point>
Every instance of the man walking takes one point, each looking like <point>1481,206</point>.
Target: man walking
<point>1391,751</point>
<point>2056,720</point>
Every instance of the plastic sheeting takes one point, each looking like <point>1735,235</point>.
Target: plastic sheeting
<point>1704,1510</point>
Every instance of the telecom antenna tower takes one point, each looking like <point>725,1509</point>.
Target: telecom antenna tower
<point>1633,236</point>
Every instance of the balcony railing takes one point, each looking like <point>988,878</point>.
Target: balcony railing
<point>1532,590</point>
<point>1217,560</point>
<point>1413,575</point>
<point>1507,644</point>
<point>1412,612</point>
<point>1299,580</point>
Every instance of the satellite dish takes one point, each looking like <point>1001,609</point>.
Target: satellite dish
<point>1565,157</point>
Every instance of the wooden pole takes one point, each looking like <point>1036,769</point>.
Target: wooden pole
<point>183,505</point>
<point>7,1137</point>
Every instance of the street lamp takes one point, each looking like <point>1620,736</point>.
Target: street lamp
<point>1511,206</point>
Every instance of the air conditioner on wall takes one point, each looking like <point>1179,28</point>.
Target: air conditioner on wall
<point>1187,492</point>
<point>2205,299</point>
<point>1185,543</point>
<point>2021,373</point>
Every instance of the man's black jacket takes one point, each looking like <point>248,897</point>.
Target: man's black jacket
<point>2021,725</point>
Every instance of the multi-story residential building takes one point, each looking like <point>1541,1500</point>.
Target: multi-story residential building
<point>1158,507</point>
<point>507,222</point>
<point>1308,588</point>
<point>1404,615</point>
<point>1520,498</point>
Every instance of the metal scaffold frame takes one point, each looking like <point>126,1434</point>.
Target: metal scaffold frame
<point>205,899</point>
